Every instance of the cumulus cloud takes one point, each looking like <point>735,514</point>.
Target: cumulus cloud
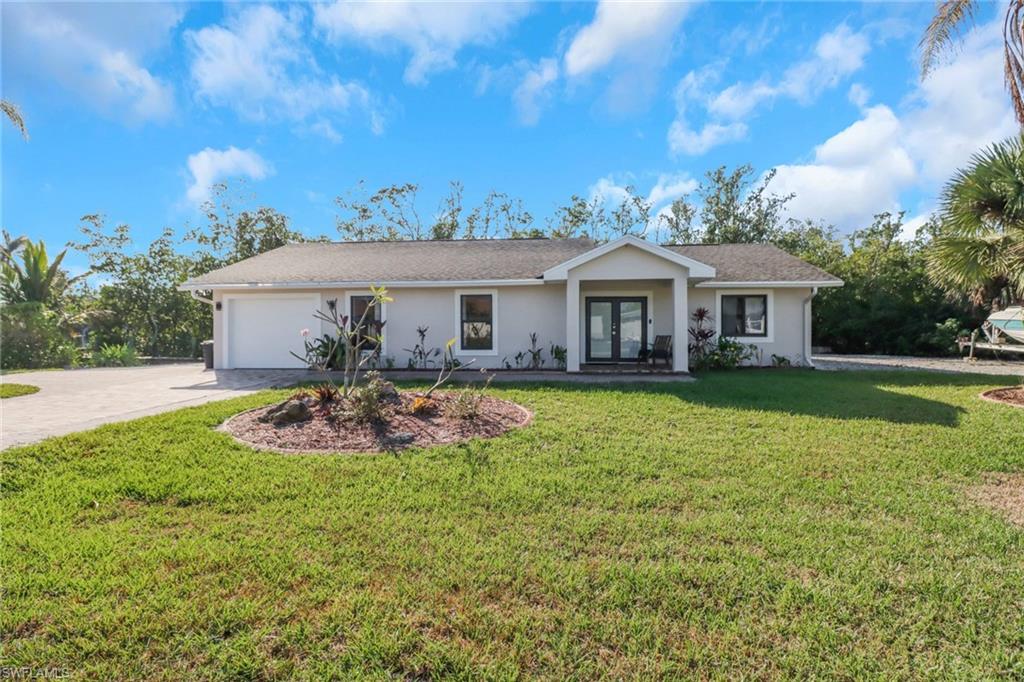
<point>210,166</point>
<point>865,168</point>
<point>667,188</point>
<point>96,51</point>
<point>623,30</point>
<point>433,32</point>
<point>257,63</point>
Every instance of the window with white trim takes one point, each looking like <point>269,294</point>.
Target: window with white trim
<point>371,325</point>
<point>744,316</point>
<point>476,322</point>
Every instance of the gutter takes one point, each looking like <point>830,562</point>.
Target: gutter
<point>808,341</point>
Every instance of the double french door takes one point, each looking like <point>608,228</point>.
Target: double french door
<point>616,328</point>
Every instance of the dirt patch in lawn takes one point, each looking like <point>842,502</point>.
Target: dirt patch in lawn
<point>1011,395</point>
<point>1002,493</point>
<point>399,428</point>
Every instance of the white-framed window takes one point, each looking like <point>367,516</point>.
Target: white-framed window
<point>355,304</point>
<point>476,321</point>
<point>746,315</point>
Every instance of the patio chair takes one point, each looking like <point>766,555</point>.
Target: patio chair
<point>661,350</point>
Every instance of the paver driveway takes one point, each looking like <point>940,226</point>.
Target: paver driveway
<point>80,399</point>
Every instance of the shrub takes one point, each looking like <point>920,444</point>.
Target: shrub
<point>420,356</point>
<point>466,404</point>
<point>560,355</point>
<point>33,338</point>
<point>115,355</point>
<point>941,340</point>
<point>366,402</point>
<point>728,354</point>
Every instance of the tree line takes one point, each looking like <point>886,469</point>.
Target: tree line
<point>894,300</point>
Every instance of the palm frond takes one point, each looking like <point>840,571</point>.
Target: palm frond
<point>13,114</point>
<point>1013,56</point>
<point>944,28</point>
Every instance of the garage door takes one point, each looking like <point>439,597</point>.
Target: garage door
<point>263,331</point>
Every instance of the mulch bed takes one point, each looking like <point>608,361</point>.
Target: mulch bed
<point>1012,395</point>
<point>1002,493</point>
<point>400,428</point>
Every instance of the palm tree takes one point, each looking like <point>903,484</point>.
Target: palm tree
<point>13,114</point>
<point>978,250</point>
<point>952,17</point>
<point>35,279</point>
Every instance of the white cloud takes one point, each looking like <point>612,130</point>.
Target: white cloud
<point>666,189</point>
<point>858,95</point>
<point>858,172</point>
<point>865,168</point>
<point>684,139</point>
<point>96,51</point>
<point>534,90</point>
<point>633,31</point>
<point>837,54</point>
<point>210,166</point>
<point>258,64</point>
<point>433,32</point>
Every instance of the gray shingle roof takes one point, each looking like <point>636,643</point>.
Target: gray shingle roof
<point>468,260</point>
<point>753,263</point>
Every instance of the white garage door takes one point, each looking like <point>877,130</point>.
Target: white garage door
<point>263,330</point>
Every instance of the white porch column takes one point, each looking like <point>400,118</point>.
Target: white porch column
<point>680,318</point>
<point>572,324</point>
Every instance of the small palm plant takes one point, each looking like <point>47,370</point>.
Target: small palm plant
<point>978,250</point>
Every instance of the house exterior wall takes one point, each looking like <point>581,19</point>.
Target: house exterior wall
<point>542,309</point>
<point>520,310</point>
<point>788,328</point>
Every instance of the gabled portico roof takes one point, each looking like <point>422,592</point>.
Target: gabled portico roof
<point>697,269</point>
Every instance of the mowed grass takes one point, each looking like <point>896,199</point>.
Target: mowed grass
<point>770,524</point>
<point>14,390</point>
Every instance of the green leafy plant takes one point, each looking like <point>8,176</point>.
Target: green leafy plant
<point>115,355</point>
<point>536,353</point>
<point>701,336</point>
<point>422,357</point>
<point>33,338</point>
<point>560,356</point>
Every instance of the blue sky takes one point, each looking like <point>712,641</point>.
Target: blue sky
<point>133,110</point>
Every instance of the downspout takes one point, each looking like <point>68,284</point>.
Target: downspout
<point>807,327</point>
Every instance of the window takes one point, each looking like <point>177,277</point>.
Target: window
<point>744,316</point>
<point>476,322</point>
<point>357,306</point>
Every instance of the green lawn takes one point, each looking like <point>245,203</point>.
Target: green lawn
<point>762,524</point>
<point>14,390</point>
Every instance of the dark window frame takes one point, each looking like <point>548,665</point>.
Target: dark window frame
<point>742,316</point>
<point>463,321</point>
<point>377,316</point>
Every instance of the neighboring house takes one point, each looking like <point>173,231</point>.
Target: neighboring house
<point>602,302</point>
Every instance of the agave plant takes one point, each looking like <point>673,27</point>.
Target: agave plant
<point>979,247</point>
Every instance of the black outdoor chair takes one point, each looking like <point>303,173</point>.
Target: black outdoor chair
<point>661,350</point>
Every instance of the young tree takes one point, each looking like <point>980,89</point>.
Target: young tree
<point>141,297</point>
<point>500,215</point>
<point>389,214</point>
<point>230,236</point>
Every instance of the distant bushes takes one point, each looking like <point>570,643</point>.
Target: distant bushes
<point>33,338</point>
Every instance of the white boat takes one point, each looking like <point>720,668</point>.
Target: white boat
<point>1008,323</point>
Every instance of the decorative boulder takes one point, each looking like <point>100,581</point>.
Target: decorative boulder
<point>288,412</point>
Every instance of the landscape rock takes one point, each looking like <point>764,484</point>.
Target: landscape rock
<point>401,438</point>
<point>288,412</point>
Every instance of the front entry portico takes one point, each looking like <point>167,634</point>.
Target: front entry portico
<point>621,295</point>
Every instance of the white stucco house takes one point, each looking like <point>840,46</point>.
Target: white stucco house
<point>602,302</point>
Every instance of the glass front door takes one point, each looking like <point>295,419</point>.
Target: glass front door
<point>616,328</point>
